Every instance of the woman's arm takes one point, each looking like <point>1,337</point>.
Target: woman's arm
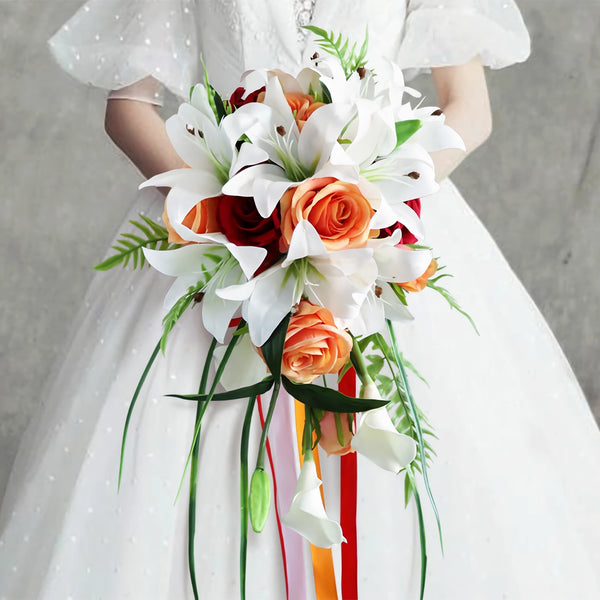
<point>138,130</point>
<point>463,96</point>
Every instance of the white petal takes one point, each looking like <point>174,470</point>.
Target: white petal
<point>394,309</point>
<point>434,136</point>
<point>244,368</point>
<point>216,311</point>
<point>305,242</point>
<point>320,134</point>
<point>370,319</point>
<point>307,514</point>
<point>272,299</point>
<point>248,155</point>
<point>203,184</point>
<point>240,292</point>
<point>180,286</point>
<point>181,261</point>
<point>190,148</point>
<point>399,265</point>
<point>249,257</point>
<point>378,440</point>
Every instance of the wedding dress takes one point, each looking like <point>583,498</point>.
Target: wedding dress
<point>518,451</point>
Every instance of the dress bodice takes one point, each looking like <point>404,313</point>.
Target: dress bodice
<point>113,43</point>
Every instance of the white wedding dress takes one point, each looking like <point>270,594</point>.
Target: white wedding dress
<point>516,477</point>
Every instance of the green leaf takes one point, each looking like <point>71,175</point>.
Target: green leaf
<point>260,499</point>
<point>406,129</point>
<point>415,413</point>
<point>272,349</point>
<point>244,510</point>
<point>129,246</point>
<point>136,394</point>
<point>316,396</point>
<point>244,392</point>
<point>422,536</point>
<point>432,284</point>
<point>340,47</point>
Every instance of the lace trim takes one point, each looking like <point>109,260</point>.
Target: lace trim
<point>303,9</point>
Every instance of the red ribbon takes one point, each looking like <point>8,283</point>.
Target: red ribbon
<point>348,499</point>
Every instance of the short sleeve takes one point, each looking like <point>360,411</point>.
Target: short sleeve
<point>112,44</point>
<point>452,32</point>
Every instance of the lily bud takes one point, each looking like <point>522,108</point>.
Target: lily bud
<point>260,499</point>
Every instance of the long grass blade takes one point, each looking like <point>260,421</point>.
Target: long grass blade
<point>200,409</point>
<point>136,394</point>
<point>244,495</point>
<point>422,535</point>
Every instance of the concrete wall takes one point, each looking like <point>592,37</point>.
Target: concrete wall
<point>65,189</point>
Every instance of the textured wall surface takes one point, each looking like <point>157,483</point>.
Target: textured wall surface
<point>65,189</point>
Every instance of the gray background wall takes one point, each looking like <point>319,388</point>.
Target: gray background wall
<point>65,189</point>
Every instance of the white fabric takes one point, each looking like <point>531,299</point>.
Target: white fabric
<point>515,477</point>
<point>147,90</point>
<point>113,43</point>
<point>451,32</point>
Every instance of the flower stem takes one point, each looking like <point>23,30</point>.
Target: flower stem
<point>360,366</point>
<point>244,495</point>
<point>260,459</point>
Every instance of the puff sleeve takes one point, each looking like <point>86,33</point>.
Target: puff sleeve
<point>452,32</point>
<point>112,44</point>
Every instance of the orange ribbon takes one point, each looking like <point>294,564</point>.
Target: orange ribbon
<point>322,558</point>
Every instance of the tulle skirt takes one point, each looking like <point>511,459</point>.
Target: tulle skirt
<point>515,479</point>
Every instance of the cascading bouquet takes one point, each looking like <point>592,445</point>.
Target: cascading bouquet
<point>294,225</point>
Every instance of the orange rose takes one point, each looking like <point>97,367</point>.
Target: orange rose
<point>302,105</point>
<point>416,285</point>
<point>329,436</point>
<point>201,219</point>
<point>337,210</point>
<point>313,344</point>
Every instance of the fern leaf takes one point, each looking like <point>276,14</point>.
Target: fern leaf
<point>129,247</point>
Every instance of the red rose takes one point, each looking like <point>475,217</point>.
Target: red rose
<point>407,236</point>
<point>244,226</point>
<point>237,98</point>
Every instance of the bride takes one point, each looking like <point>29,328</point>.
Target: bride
<point>518,449</point>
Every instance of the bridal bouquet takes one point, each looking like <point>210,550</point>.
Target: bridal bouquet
<point>295,225</point>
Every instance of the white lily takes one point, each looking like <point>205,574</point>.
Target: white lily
<point>212,262</point>
<point>307,514</point>
<point>339,280</point>
<point>293,155</point>
<point>378,440</point>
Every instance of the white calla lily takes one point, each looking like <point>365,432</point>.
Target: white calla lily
<point>378,440</point>
<point>307,514</point>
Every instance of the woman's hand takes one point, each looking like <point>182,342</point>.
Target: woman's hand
<point>463,96</point>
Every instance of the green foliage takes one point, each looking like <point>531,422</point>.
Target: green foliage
<point>433,283</point>
<point>406,129</point>
<point>220,109</point>
<point>351,57</point>
<point>316,396</point>
<point>129,246</point>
